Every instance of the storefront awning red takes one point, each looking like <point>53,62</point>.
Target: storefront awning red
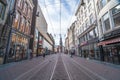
<point>109,41</point>
<point>83,43</point>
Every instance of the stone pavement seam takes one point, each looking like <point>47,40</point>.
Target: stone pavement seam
<point>101,62</point>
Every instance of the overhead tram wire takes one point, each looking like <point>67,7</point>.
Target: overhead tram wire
<point>56,3</point>
<point>49,17</point>
<point>60,18</point>
<point>76,5</point>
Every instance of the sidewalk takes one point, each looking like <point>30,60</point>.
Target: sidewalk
<point>106,70</point>
<point>102,62</point>
<point>8,65</point>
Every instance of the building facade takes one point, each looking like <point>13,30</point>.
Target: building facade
<point>19,36</point>
<point>71,37</point>
<point>4,8</point>
<point>87,29</point>
<point>108,12</point>
<point>66,45</point>
<point>42,39</point>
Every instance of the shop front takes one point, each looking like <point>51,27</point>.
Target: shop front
<point>90,49</point>
<point>111,50</point>
<point>83,49</point>
<point>18,47</point>
<point>94,51</point>
<point>39,45</point>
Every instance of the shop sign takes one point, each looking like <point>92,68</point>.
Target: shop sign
<point>109,41</point>
<point>40,42</point>
<point>112,34</point>
<point>83,43</point>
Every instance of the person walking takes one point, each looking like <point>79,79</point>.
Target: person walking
<point>43,53</point>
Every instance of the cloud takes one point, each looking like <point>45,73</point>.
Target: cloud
<point>52,15</point>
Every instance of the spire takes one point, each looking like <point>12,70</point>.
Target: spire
<point>60,43</point>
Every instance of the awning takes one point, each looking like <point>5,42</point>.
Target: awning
<point>83,43</point>
<point>109,41</point>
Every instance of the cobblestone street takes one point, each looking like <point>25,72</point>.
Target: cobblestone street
<point>59,67</point>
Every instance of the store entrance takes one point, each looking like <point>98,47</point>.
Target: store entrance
<point>112,53</point>
<point>17,52</point>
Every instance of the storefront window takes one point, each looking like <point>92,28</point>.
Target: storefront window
<point>106,21</point>
<point>116,15</point>
<point>2,10</point>
<point>18,47</point>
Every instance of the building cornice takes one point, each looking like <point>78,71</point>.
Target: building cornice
<point>80,4</point>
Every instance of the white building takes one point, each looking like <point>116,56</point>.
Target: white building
<point>42,39</point>
<point>108,12</point>
<point>86,26</point>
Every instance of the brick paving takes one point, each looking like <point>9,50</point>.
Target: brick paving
<point>59,67</point>
<point>105,70</point>
<point>60,72</point>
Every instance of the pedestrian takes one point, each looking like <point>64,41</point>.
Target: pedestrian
<point>43,53</point>
<point>71,52</point>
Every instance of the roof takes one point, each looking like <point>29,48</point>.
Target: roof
<point>81,3</point>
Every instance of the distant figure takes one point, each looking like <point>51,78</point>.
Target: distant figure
<point>43,55</point>
<point>72,51</point>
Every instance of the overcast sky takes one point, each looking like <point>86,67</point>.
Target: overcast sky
<point>51,11</point>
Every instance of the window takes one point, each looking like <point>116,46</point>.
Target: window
<point>87,23</point>
<point>85,14</point>
<point>88,1</point>
<point>91,34</point>
<point>91,19</point>
<point>116,15</point>
<point>103,3</point>
<point>2,10</point>
<point>16,20</point>
<point>27,27</point>
<point>22,26</point>
<point>19,3</point>
<point>106,21</point>
<point>96,32</point>
<point>29,12</point>
<point>11,3</point>
<point>101,31</point>
<point>90,8</point>
<point>88,36</point>
<point>98,7</point>
<point>25,8</point>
